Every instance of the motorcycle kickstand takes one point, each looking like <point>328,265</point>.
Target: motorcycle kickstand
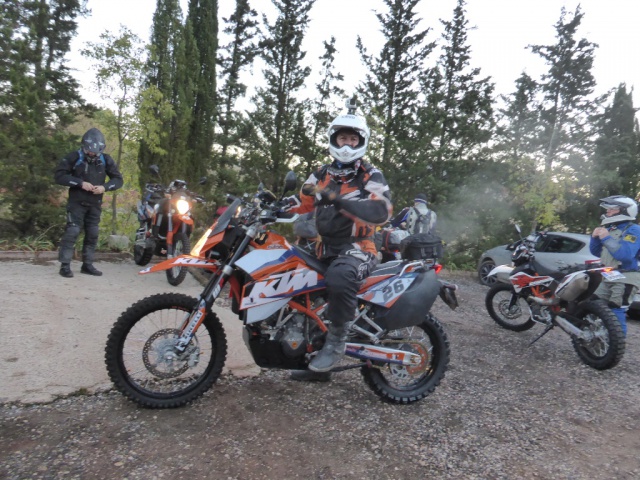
<point>546,330</point>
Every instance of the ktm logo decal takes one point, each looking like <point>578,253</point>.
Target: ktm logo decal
<point>279,285</point>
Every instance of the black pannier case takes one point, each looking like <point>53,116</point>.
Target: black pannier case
<point>421,246</point>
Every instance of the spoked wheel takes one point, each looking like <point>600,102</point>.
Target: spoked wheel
<point>508,309</point>
<point>181,245</point>
<point>605,343</point>
<point>144,364</point>
<point>408,384</point>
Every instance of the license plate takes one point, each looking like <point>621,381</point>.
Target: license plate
<point>612,275</point>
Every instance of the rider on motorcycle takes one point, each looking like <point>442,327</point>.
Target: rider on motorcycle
<point>617,243</point>
<point>350,198</point>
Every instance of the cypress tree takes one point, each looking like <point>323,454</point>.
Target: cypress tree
<point>203,15</point>
<point>233,59</point>
<point>159,98</point>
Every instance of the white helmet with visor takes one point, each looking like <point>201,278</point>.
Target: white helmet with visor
<point>346,155</point>
<point>628,209</point>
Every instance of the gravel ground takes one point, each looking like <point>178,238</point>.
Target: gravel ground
<point>504,411</point>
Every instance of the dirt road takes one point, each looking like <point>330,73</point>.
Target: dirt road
<point>504,411</point>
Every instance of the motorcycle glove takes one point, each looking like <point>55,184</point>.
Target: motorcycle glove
<point>287,203</point>
<point>327,197</point>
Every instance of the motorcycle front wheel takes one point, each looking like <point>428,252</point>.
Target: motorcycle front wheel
<point>605,343</point>
<point>181,245</point>
<point>507,309</point>
<point>144,364</point>
<point>408,384</point>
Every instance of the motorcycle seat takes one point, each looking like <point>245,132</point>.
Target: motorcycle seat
<point>310,260</point>
<point>547,271</point>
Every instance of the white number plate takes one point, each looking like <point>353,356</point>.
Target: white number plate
<point>612,275</point>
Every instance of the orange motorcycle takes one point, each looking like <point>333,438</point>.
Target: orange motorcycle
<point>168,349</point>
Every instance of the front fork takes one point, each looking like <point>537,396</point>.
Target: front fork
<point>210,293</point>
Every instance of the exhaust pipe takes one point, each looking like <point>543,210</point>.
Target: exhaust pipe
<point>543,301</point>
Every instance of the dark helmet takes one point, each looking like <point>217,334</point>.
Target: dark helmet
<point>93,142</point>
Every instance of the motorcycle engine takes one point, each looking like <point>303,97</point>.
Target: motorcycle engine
<point>292,341</point>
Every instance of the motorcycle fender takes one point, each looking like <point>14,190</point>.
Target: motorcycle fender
<point>181,261</point>
<point>413,305</point>
<point>502,273</point>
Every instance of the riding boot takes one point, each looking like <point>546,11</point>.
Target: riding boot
<point>621,314</point>
<point>332,351</point>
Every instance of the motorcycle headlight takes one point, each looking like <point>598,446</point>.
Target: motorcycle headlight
<point>182,206</point>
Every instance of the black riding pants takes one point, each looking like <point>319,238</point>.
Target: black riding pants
<point>343,277</point>
<point>80,217</point>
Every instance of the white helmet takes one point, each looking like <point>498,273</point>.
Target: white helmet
<point>628,209</point>
<point>347,154</point>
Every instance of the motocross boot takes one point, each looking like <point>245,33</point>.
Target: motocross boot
<point>332,351</point>
<point>65,270</point>
<point>310,376</point>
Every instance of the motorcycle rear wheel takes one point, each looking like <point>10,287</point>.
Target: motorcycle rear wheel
<point>607,346</point>
<point>142,362</point>
<point>517,317</point>
<point>405,385</point>
<point>181,245</point>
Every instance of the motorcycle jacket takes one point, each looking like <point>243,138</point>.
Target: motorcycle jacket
<point>620,248</point>
<point>362,202</point>
<point>76,168</point>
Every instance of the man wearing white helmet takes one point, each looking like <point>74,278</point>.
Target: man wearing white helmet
<point>350,198</point>
<point>617,242</point>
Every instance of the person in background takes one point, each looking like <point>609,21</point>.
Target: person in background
<point>85,172</point>
<point>617,242</point>
<point>350,197</point>
<point>420,219</point>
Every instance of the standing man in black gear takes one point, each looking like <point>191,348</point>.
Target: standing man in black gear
<point>84,171</point>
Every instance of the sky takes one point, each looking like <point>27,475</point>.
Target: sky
<point>501,31</point>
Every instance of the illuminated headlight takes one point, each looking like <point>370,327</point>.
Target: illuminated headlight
<point>182,206</point>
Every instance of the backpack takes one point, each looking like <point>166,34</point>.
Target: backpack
<point>422,223</point>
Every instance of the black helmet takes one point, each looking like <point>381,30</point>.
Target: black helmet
<point>93,142</point>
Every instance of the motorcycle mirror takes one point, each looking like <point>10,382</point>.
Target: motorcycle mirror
<point>518,228</point>
<point>203,180</point>
<point>155,170</point>
<point>290,181</point>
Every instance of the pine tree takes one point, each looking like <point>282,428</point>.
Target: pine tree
<point>568,108</point>
<point>273,122</point>
<point>567,87</point>
<point>390,92</point>
<point>456,118</point>
<point>38,100</point>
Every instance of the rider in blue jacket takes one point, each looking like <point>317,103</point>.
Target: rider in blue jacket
<point>617,242</point>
